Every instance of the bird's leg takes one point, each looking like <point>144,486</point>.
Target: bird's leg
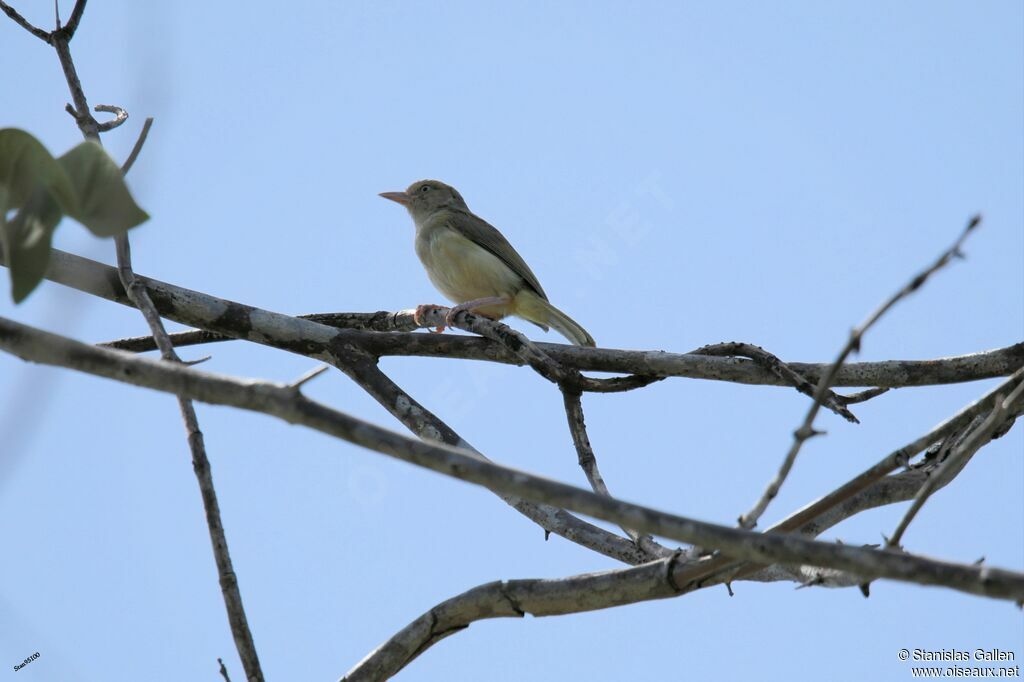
<point>470,306</point>
<point>425,309</point>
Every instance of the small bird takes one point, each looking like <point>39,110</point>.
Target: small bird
<point>473,265</point>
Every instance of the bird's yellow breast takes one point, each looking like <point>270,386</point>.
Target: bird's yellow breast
<point>461,269</point>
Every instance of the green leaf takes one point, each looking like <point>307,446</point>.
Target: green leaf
<point>26,240</point>
<point>25,165</point>
<point>105,205</point>
<point>32,181</point>
<point>85,184</point>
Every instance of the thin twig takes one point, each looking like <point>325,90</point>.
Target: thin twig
<point>76,17</point>
<point>80,109</point>
<point>862,396</point>
<point>806,429</point>
<point>588,462</point>
<point>144,344</point>
<point>281,401</point>
<point>197,361</point>
<point>237,619</point>
<point>805,520</point>
<point>139,296</point>
<point>427,426</point>
<point>977,438</point>
<point>24,23</point>
<point>308,376</point>
<point>779,368</point>
<point>584,450</point>
<point>120,116</point>
<point>136,149</point>
<point>223,671</point>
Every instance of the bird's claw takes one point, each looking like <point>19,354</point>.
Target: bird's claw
<point>425,309</point>
<point>449,317</point>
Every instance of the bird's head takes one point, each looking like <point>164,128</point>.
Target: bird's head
<point>427,196</point>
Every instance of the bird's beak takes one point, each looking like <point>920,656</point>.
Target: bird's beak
<point>398,197</point>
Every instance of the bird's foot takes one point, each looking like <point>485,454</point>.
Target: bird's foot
<point>423,310</point>
<point>471,306</point>
<point>449,318</point>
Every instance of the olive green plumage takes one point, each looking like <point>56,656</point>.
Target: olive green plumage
<point>468,259</point>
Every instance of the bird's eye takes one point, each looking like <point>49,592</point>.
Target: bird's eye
<point>425,188</point>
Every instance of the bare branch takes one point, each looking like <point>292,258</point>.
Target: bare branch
<point>528,352</point>
<point>282,331</point>
<point>514,599</point>
<point>584,451</point>
<point>24,23</point>
<point>136,150</point>
<point>588,462</point>
<point>309,376</point>
<point>291,406</point>
<point>862,396</point>
<point>223,319</point>
<point>893,373</point>
<point>864,491</point>
<point>120,116</point>
<point>140,299</point>
<point>515,341</point>
<point>237,619</point>
<point>80,109</point>
<point>75,19</point>
<point>780,369</point>
<point>455,614</point>
<point>420,421</point>
<point>975,439</point>
<point>223,671</point>
<point>806,429</point>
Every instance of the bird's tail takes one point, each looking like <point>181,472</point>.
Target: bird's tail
<point>533,308</point>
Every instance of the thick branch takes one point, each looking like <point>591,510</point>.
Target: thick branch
<point>420,421</point>
<point>846,500</point>
<point>891,373</point>
<point>655,580</point>
<point>514,599</point>
<point>308,338</point>
<point>530,353</point>
<point>291,406</point>
<point>308,335</point>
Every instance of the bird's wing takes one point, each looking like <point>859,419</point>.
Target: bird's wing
<point>482,233</point>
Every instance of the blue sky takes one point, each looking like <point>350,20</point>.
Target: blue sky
<point>675,173</point>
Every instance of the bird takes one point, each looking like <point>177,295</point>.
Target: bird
<point>474,265</point>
